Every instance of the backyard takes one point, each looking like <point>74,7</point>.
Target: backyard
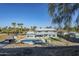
<point>50,41</point>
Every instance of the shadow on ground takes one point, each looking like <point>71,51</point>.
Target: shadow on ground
<point>41,51</point>
<point>76,40</point>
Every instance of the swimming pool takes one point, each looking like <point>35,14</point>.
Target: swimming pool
<point>32,41</point>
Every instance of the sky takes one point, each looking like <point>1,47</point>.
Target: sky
<point>28,14</point>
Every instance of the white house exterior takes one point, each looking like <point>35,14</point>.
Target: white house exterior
<point>42,32</point>
<point>46,32</point>
<point>30,34</point>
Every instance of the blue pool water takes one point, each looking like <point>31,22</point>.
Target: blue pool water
<point>35,41</point>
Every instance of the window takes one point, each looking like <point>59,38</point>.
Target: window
<point>53,35</point>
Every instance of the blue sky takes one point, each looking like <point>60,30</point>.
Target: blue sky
<point>28,14</point>
<point>33,14</point>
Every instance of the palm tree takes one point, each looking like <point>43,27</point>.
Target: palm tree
<point>57,21</point>
<point>77,24</point>
<point>64,11</point>
<point>14,24</point>
<point>33,28</point>
<point>53,12</point>
<point>14,27</point>
<point>20,25</point>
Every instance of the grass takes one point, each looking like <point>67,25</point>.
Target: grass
<point>56,39</point>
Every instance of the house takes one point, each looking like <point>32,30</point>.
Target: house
<point>46,32</point>
<point>42,32</point>
<point>30,34</point>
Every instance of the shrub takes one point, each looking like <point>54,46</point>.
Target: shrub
<point>66,36</point>
<point>57,39</point>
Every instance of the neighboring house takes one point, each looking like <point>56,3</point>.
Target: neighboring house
<point>42,32</point>
<point>77,35</point>
<point>46,32</point>
<point>30,34</point>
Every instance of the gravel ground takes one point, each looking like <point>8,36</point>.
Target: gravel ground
<point>17,45</point>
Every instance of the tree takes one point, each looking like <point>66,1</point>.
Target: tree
<point>14,27</point>
<point>20,25</point>
<point>48,27</point>
<point>62,13</point>
<point>77,24</point>
<point>33,28</point>
<point>53,12</point>
<point>14,24</point>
